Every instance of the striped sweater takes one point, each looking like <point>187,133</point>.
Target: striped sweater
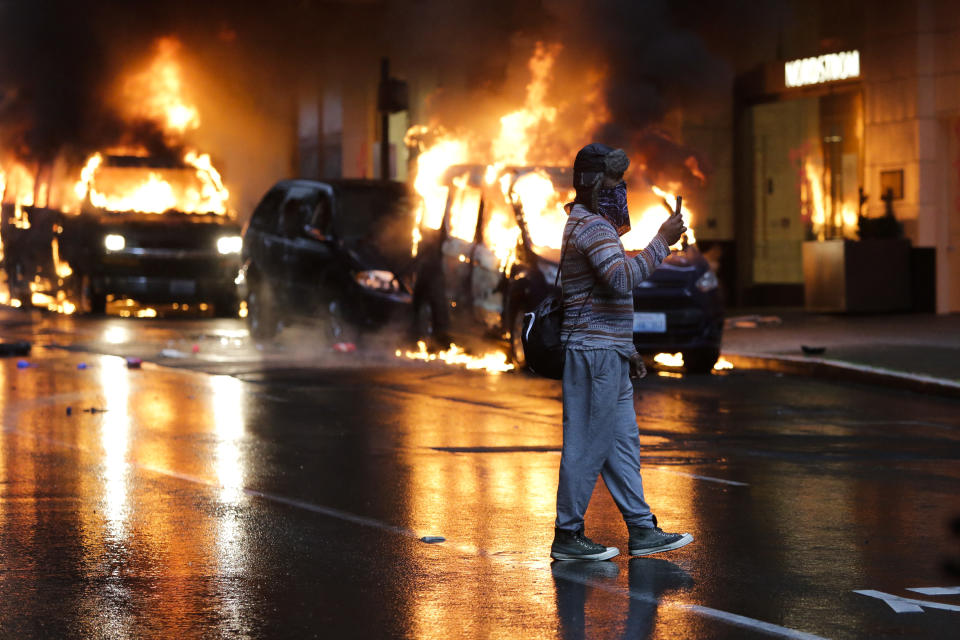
<point>595,256</point>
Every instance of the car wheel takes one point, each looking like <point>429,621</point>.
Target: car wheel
<point>516,340</point>
<point>700,360</point>
<point>423,320</point>
<point>262,319</point>
<point>430,321</point>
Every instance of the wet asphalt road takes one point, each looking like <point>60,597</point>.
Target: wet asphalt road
<point>283,493</point>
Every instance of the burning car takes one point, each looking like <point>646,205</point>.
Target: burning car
<point>148,228</point>
<point>490,252</point>
<point>334,251</point>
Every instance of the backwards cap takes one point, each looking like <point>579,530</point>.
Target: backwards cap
<point>591,164</point>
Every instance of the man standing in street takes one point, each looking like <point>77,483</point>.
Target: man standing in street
<point>599,424</point>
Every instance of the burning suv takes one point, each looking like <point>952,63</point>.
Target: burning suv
<point>489,252</point>
<point>148,228</point>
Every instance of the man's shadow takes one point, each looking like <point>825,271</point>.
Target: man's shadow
<point>649,579</point>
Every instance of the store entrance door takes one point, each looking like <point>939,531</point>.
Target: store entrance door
<point>785,135</point>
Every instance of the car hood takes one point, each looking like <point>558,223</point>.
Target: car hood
<point>368,254</point>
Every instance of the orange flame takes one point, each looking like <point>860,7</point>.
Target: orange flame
<point>489,362</point>
<point>158,191</point>
<point>156,93</point>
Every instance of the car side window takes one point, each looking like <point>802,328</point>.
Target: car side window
<point>265,215</point>
<point>319,218</point>
<point>297,213</point>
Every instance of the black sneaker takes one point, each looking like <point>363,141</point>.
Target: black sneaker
<point>573,545</point>
<point>647,540</point>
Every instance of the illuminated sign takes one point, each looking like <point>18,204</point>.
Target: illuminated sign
<point>825,68</point>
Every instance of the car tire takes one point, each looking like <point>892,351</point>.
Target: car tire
<point>263,322</point>
<point>430,319</point>
<point>700,361</point>
<point>516,341</point>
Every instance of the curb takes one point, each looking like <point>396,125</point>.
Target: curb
<point>846,371</point>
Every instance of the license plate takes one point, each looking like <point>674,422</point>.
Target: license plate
<point>183,287</point>
<point>649,322</point>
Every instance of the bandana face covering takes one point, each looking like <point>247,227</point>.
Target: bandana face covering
<point>612,205</point>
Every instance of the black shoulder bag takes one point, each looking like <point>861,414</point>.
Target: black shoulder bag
<point>542,327</point>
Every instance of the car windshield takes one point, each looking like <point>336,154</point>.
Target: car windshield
<point>375,218</point>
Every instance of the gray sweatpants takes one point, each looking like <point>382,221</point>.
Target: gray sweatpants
<point>599,436</point>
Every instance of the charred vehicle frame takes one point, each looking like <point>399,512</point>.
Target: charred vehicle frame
<point>462,288</point>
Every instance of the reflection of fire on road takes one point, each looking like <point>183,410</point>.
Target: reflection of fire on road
<point>154,95</point>
<point>528,137</point>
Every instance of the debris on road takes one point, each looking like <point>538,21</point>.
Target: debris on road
<point>433,539</point>
<point>752,322</point>
<point>134,363</point>
<point>82,366</point>
<point>94,410</point>
<point>22,364</point>
<point>69,411</point>
<point>16,348</point>
<point>812,351</point>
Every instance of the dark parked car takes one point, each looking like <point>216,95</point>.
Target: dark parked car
<point>469,284</point>
<point>331,251</point>
<point>168,256</point>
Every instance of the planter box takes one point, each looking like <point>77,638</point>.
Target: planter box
<point>863,276</point>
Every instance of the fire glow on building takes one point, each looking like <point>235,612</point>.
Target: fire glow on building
<point>520,143</point>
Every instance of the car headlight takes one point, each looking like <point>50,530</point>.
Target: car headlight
<point>114,242</point>
<point>377,280</point>
<point>708,281</point>
<point>229,244</point>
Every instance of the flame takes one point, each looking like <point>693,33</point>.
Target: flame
<point>669,359</point>
<point>160,190</point>
<point>722,364</point>
<point>518,129</point>
<point>526,137</point>
<point>543,210</point>
<point>156,93</point>
<point>432,165</point>
<point>490,362</point>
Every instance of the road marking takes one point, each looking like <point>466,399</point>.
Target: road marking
<point>699,477</point>
<point>937,591</point>
<point>906,605</point>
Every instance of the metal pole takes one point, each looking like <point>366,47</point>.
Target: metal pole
<point>384,124</point>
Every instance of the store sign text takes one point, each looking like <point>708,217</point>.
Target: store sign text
<point>825,68</point>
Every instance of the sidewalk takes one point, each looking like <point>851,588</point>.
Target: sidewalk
<point>920,352</point>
